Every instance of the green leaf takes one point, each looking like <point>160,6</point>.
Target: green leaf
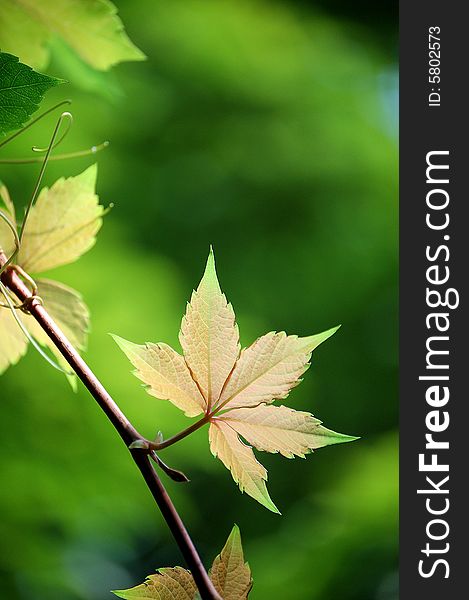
<point>22,35</point>
<point>84,77</point>
<point>21,92</point>
<point>91,27</point>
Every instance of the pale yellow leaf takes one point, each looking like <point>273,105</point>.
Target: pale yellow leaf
<point>91,27</point>
<point>282,429</point>
<point>167,584</point>
<point>269,369</point>
<point>239,458</point>
<point>209,335</point>
<point>63,223</point>
<point>66,307</point>
<point>230,575</point>
<point>13,342</point>
<point>7,201</point>
<point>7,240</point>
<point>165,373</point>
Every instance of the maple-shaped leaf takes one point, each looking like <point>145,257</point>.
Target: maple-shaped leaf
<point>209,336</point>
<point>62,225</point>
<point>230,575</point>
<point>234,389</point>
<point>21,91</point>
<point>91,27</point>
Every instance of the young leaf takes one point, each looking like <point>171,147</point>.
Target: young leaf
<point>209,335</point>
<point>165,373</point>
<point>167,584</point>
<point>269,369</point>
<point>281,429</point>
<point>7,239</point>
<point>230,575</point>
<point>68,310</point>
<point>13,343</point>
<point>62,225</point>
<point>247,472</point>
<point>91,27</point>
<point>235,390</point>
<point>7,202</point>
<point>21,92</point>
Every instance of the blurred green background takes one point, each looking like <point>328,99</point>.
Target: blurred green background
<point>267,129</point>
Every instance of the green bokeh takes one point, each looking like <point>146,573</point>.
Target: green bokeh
<point>268,130</point>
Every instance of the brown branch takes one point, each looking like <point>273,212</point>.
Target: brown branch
<point>122,425</point>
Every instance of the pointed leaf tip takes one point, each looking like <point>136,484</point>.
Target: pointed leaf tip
<point>209,335</point>
<point>210,272</point>
<point>273,508</point>
<point>348,438</point>
<point>267,501</point>
<point>91,174</point>
<point>329,437</point>
<point>239,458</point>
<point>230,573</point>
<point>316,340</point>
<point>123,344</point>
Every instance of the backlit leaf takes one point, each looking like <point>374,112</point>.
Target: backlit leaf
<point>7,202</point>
<point>230,575</point>
<point>209,335</point>
<point>13,343</point>
<point>21,92</point>
<point>167,584</point>
<point>67,309</point>
<point>239,458</point>
<point>269,369</point>
<point>165,373</point>
<point>281,429</point>
<point>63,223</point>
<point>91,27</point>
<point>23,35</point>
<point>234,389</point>
<point>7,240</point>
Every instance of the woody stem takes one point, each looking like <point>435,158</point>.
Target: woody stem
<point>122,425</point>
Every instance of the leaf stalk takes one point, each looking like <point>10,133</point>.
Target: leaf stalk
<point>179,436</point>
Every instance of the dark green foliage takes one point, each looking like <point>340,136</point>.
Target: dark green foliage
<point>21,92</point>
